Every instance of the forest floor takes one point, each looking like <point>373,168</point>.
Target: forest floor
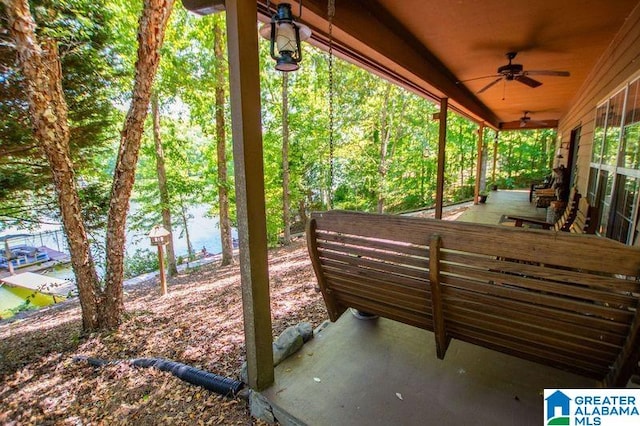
<point>199,323</point>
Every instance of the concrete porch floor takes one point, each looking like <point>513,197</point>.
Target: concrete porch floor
<point>513,202</point>
<point>381,372</point>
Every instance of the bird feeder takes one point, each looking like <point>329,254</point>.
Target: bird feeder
<point>160,237</point>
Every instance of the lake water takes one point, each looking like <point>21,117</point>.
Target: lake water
<point>203,232</point>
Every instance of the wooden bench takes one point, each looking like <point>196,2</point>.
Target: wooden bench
<point>564,300</point>
<point>585,220</point>
<point>562,224</point>
<point>578,217</point>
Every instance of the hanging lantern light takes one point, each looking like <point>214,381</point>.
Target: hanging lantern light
<point>285,36</point>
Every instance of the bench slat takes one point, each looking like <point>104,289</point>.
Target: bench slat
<point>573,292</point>
<point>375,291</point>
<point>400,315</point>
<point>484,336</point>
<point>374,253</point>
<point>535,298</point>
<point>525,351</point>
<point>552,339</point>
<point>373,264</point>
<point>363,241</point>
<point>370,273</point>
<point>545,271</point>
<point>586,327</point>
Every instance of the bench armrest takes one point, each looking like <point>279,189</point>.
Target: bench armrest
<point>520,220</point>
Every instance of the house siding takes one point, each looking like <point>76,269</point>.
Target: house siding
<point>618,65</point>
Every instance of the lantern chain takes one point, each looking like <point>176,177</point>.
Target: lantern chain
<point>331,10</point>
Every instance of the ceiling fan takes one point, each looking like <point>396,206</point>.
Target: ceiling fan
<point>526,120</point>
<point>516,72</point>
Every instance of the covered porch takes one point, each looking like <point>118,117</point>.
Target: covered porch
<point>435,59</point>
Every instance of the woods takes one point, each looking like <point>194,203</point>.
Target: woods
<point>102,305</point>
<point>381,157</point>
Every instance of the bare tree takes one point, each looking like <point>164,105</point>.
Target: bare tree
<point>221,141</point>
<point>286,217</point>
<point>153,22</point>
<point>165,203</point>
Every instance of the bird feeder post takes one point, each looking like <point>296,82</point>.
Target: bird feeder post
<point>163,277</point>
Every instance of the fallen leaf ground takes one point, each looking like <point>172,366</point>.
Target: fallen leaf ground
<point>199,323</point>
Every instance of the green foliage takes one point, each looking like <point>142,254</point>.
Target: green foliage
<point>141,262</point>
<point>524,157</point>
<point>185,87</point>
<point>185,163</point>
<point>94,198</point>
<point>97,39</point>
<point>368,110</point>
<point>82,29</point>
<point>24,306</point>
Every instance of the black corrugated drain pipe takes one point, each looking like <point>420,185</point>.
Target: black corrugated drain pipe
<point>210,381</point>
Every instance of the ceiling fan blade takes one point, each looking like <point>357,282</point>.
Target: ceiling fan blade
<point>489,85</point>
<point>528,81</point>
<point>478,78</point>
<point>548,72</point>
<point>524,123</point>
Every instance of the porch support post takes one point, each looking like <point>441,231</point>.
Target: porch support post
<point>442,141</point>
<point>495,157</point>
<point>244,76</point>
<point>476,194</point>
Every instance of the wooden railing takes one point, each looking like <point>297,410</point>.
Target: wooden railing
<point>560,299</point>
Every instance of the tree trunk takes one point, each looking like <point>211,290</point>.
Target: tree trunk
<point>165,203</point>
<point>48,109</point>
<point>461,146</point>
<point>383,139</point>
<point>302,211</point>
<point>285,160</point>
<point>510,159</point>
<point>185,223</point>
<point>388,128</point>
<point>153,22</point>
<point>221,147</point>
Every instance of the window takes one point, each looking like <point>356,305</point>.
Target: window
<point>613,129</point>
<point>630,157</point>
<point>598,134</point>
<point>614,176</point>
<point>627,199</point>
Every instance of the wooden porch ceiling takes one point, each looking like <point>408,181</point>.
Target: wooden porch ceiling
<point>430,46</point>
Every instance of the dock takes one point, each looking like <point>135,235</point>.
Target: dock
<point>40,283</point>
<point>55,258</point>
